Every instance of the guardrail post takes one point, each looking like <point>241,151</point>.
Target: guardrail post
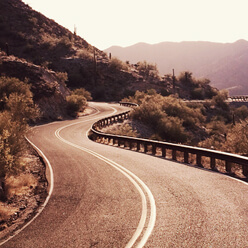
<point>125,144</point>
<point>145,148</point>
<point>245,170</point>
<point>198,160</point>
<point>154,149</point>
<point>174,154</point>
<point>228,166</point>
<point>163,152</point>
<point>119,142</point>
<point>213,163</point>
<point>186,157</point>
<point>138,146</point>
<point>131,145</point>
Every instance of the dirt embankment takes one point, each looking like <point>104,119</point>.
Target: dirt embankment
<point>25,194</point>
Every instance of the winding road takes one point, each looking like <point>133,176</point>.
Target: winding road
<point>104,196</point>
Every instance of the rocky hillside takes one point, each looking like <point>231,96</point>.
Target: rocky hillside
<point>48,88</point>
<point>224,64</point>
<point>28,34</point>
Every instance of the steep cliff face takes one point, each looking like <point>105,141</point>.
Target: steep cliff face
<point>48,88</point>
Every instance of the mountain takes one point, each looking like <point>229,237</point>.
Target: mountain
<point>27,34</point>
<point>225,64</point>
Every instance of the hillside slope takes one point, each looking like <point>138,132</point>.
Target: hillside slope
<point>28,34</point>
<point>48,88</point>
<point>224,64</point>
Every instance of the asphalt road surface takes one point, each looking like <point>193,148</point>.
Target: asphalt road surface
<point>104,196</point>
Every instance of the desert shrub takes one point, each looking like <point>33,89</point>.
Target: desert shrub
<point>241,113</point>
<point>75,103</point>
<point>83,92</point>
<point>216,130</point>
<point>11,144</point>
<point>237,139</point>
<point>148,113</point>
<point>62,76</point>
<point>122,129</point>
<point>6,212</point>
<point>171,129</point>
<point>148,70</point>
<point>170,119</point>
<point>65,43</point>
<point>13,85</point>
<point>17,110</point>
<point>190,116</point>
<point>22,108</point>
<point>197,93</point>
<point>19,185</point>
<point>116,64</point>
<point>219,101</point>
<point>84,54</point>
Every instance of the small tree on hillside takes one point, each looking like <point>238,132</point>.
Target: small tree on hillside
<point>17,110</point>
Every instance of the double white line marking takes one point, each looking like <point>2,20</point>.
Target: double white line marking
<point>143,190</point>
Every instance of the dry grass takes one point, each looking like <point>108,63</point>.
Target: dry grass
<point>16,186</point>
<point>20,185</point>
<point>6,211</point>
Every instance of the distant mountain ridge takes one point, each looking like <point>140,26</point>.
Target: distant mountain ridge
<point>225,64</point>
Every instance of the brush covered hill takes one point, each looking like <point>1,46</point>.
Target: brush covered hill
<point>48,88</point>
<point>28,34</point>
<point>225,65</point>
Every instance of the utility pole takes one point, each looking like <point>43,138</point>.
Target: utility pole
<point>75,30</point>
<point>173,81</point>
<point>95,66</point>
<point>7,48</point>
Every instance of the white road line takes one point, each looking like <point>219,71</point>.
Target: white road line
<point>42,206</point>
<point>136,182</point>
<point>40,209</point>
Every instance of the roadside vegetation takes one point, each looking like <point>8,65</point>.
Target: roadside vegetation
<point>210,124</point>
<point>77,101</point>
<point>17,110</point>
<point>18,160</point>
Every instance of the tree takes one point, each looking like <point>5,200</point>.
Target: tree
<point>17,110</point>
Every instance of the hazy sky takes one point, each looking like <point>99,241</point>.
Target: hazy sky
<point>104,23</point>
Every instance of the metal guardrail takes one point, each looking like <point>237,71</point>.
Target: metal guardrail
<point>238,98</point>
<point>161,148</point>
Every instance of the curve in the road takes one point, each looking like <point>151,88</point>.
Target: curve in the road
<point>51,186</point>
<point>136,181</point>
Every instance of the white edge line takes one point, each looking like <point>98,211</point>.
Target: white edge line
<point>152,220</point>
<point>42,206</point>
<point>51,186</point>
<point>142,221</point>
